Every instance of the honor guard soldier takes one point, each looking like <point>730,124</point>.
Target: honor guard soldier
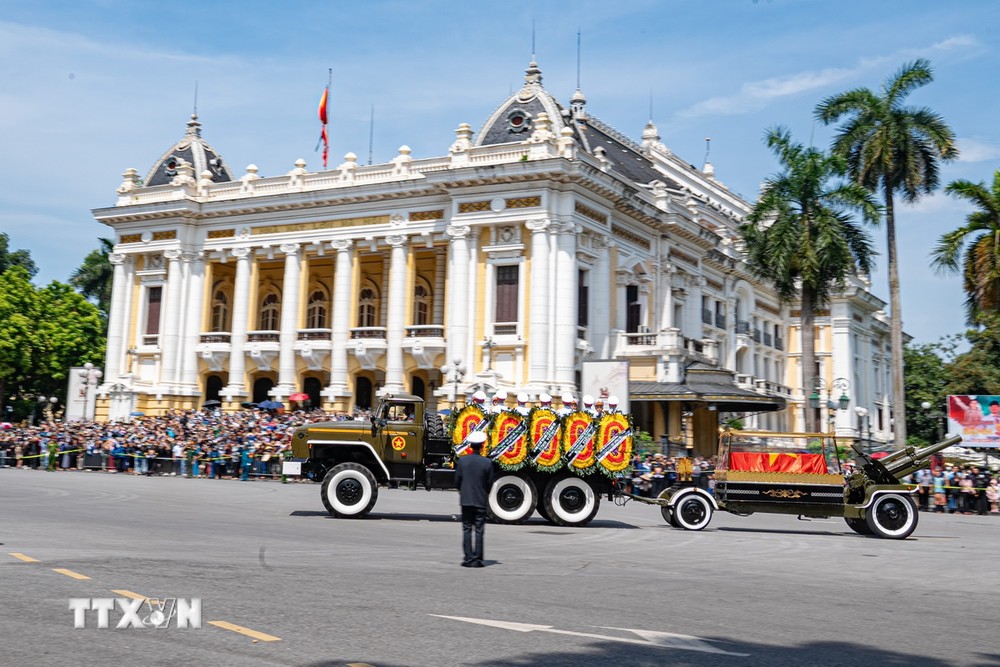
<point>545,401</point>
<point>613,404</point>
<point>479,398</point>
<point>522,404</point>
<point>588,405</point>
<point>499,402</point>
<point>568,405</point>
<point>599,407</point>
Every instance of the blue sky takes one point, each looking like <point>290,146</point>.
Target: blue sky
<point>91,88</point>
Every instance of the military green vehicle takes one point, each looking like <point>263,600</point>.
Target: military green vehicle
<point>773,473</point>
<point>400,445</point>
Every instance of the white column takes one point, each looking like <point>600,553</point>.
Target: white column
<point>194,316</point>
<point>439,268</point>
<point>170,338</point>
<point>241,313</point>
<point>540,314</point>
<point>600,298</point>
<point>565,308</point>
<point>473,294</point>
<point>341,316</point>
<point>458,295</point>
<point>117,318</point>
<point>396,314</point>
<point>289,321</point>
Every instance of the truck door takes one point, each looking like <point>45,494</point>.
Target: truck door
<point>402,434</point>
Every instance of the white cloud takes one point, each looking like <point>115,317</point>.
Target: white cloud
<point>975,150</point>
<point>756,95</point>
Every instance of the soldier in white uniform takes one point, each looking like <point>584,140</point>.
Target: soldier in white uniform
<point>544,401</point>
<point>568,405</point>
<point>479,398</point>
<point>613,404</point>
<point>499,402</point>
<point>522,404</point>
<point>588,405</point>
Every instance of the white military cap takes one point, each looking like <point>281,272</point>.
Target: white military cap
<point>522,398</point>
<point>479,397</point>
<point>544,398</point>
<point>588,399</point>
<point>500,396</point>
<point>476,438</point>
<point>568,398</point>
<point>612,400</point>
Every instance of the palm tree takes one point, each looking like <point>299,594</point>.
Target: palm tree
<point>892,148</point>
<point>802,238</point>
<point>980,261</point>
<point>93,278</point>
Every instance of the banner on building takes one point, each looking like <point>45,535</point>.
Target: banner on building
<point>603,379</point>
<point>976,419</point>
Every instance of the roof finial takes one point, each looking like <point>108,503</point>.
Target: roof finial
<point>195,98</point>
<point>193,126</point>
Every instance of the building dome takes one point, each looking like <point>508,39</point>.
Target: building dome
<point>514,119</point>
<point>193,150</point>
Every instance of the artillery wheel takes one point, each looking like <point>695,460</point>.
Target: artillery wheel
<point>892,516</point>
<point>349,491</point>
<point>692,512</point>
<point>570,501</point>
<point>859,526</point>
<point>512,499</point>
<point>667,512</point>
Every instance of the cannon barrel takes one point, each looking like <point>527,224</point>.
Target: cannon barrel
<point>909,459</point>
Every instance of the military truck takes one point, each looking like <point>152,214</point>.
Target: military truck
<point>406,447</point>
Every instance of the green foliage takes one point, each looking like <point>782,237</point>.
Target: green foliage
<point>926,376</point>
<point>20,258</point>
<point>43,332</point>
<point>94,277</point>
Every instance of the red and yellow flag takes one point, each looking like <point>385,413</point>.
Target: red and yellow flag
<point>323,138</point>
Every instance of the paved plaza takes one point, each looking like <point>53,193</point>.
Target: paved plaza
<point>282,583</point>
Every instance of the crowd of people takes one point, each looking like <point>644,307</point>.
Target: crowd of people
<point>191,443</point>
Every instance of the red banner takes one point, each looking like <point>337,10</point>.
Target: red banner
<point>768,462</point>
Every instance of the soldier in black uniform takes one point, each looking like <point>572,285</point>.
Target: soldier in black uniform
<point>474,477</point>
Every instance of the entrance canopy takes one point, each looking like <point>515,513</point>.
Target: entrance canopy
<point>708,385</point>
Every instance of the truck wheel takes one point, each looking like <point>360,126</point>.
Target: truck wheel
<point>692,512</point>
<point>512,499</point>
<point>349,491</point>
<point>667,512</point>
<point>570,501</point>
<point>540,508</point>
<point>434,426</point>
<point>892,516</point>
<point>859,526</point>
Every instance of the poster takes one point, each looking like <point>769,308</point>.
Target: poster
<point>976,419</point>
<point>602,379</point>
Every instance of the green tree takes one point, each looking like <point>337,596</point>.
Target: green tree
<point>18,315</point>
<point>20,258</point>
<point>801,235</point>
<point>974,248</point>
<point>93,278</point>
<point>977,371</point>
<point>926,378</point>
<point>892,148</point>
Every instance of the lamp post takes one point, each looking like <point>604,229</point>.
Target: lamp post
<point>453,373</point>
<point>841,385</point>
<point>91,377</point>
<point>50,408</point>
<point>488,346</point>
<point>39,410</point>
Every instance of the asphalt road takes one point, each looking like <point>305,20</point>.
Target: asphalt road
<point>387,591</point>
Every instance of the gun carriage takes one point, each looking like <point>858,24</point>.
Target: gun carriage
<point>771,473</point>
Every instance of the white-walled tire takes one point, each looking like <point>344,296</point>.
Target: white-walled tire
<point>349,491</point>
<point>892,516</point>
<point>666,511</point>
<point>692,511</point>
<point>512,499</point>
<point>570,501</point>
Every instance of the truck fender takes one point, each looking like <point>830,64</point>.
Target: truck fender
<point>356,444</point>
<point>676,497</point>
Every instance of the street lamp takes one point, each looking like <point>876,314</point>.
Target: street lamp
<point>50,408</point>
<point>91,377</point>
<point>842,403</point>
<point>864,425</point>
<point>454,373</point>
<point>488,346</point>
<point>938,418</point>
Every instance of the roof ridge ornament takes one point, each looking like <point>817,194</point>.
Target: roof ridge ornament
<point>193,126</point>
<point>533,75</point>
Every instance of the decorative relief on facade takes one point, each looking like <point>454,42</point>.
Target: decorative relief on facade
<point>396,240</point>
<point>322,224</point>
<point>524,202</point>
<point>683,256</point>
<point>717,286</point>
<point>342,245</point>
<point>473,206</point>
<point>768,309</point>
<point>154,262</point>
<point>129,238</point>
<point>537,225</point>
<point>221,233</point>
<point>240,253</point>
<point>172,254</point>
<point>289,248</point>
<point>397,220</point>
<point>421,216</point>
<point>626,235</point>
<point>165,235</point>
<point>591,213</point>
<point>458,231</point>
<point>507,235</point>
<point>116,258</point>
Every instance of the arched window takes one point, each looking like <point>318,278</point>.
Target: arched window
<point>367,308</point>
<point>220,311</point>
<point>421,305</point>
<point>317,309</point>
<point>270,310</point>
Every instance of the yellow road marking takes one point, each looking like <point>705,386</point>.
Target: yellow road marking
<point>70,573</point>
<point>132,594</point>
<point>226,625</point>
<point>26,559</point>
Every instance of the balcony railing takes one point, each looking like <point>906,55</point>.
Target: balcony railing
<point>425,331</point>
<point>314,334</point>
<point>694,345</point>
<point>368,332</point>
<point>706,315</point>
<point>505,328</point>
<point>152,339</point>
<point>643,339</point>
<point>263,336</point>
<point>742,327</point>
<point>581,333</point>
<point>216,337</point>
<point>720,321</point>
<point>756,335</point>
<point>779,344</point>
<point>767,339</point>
